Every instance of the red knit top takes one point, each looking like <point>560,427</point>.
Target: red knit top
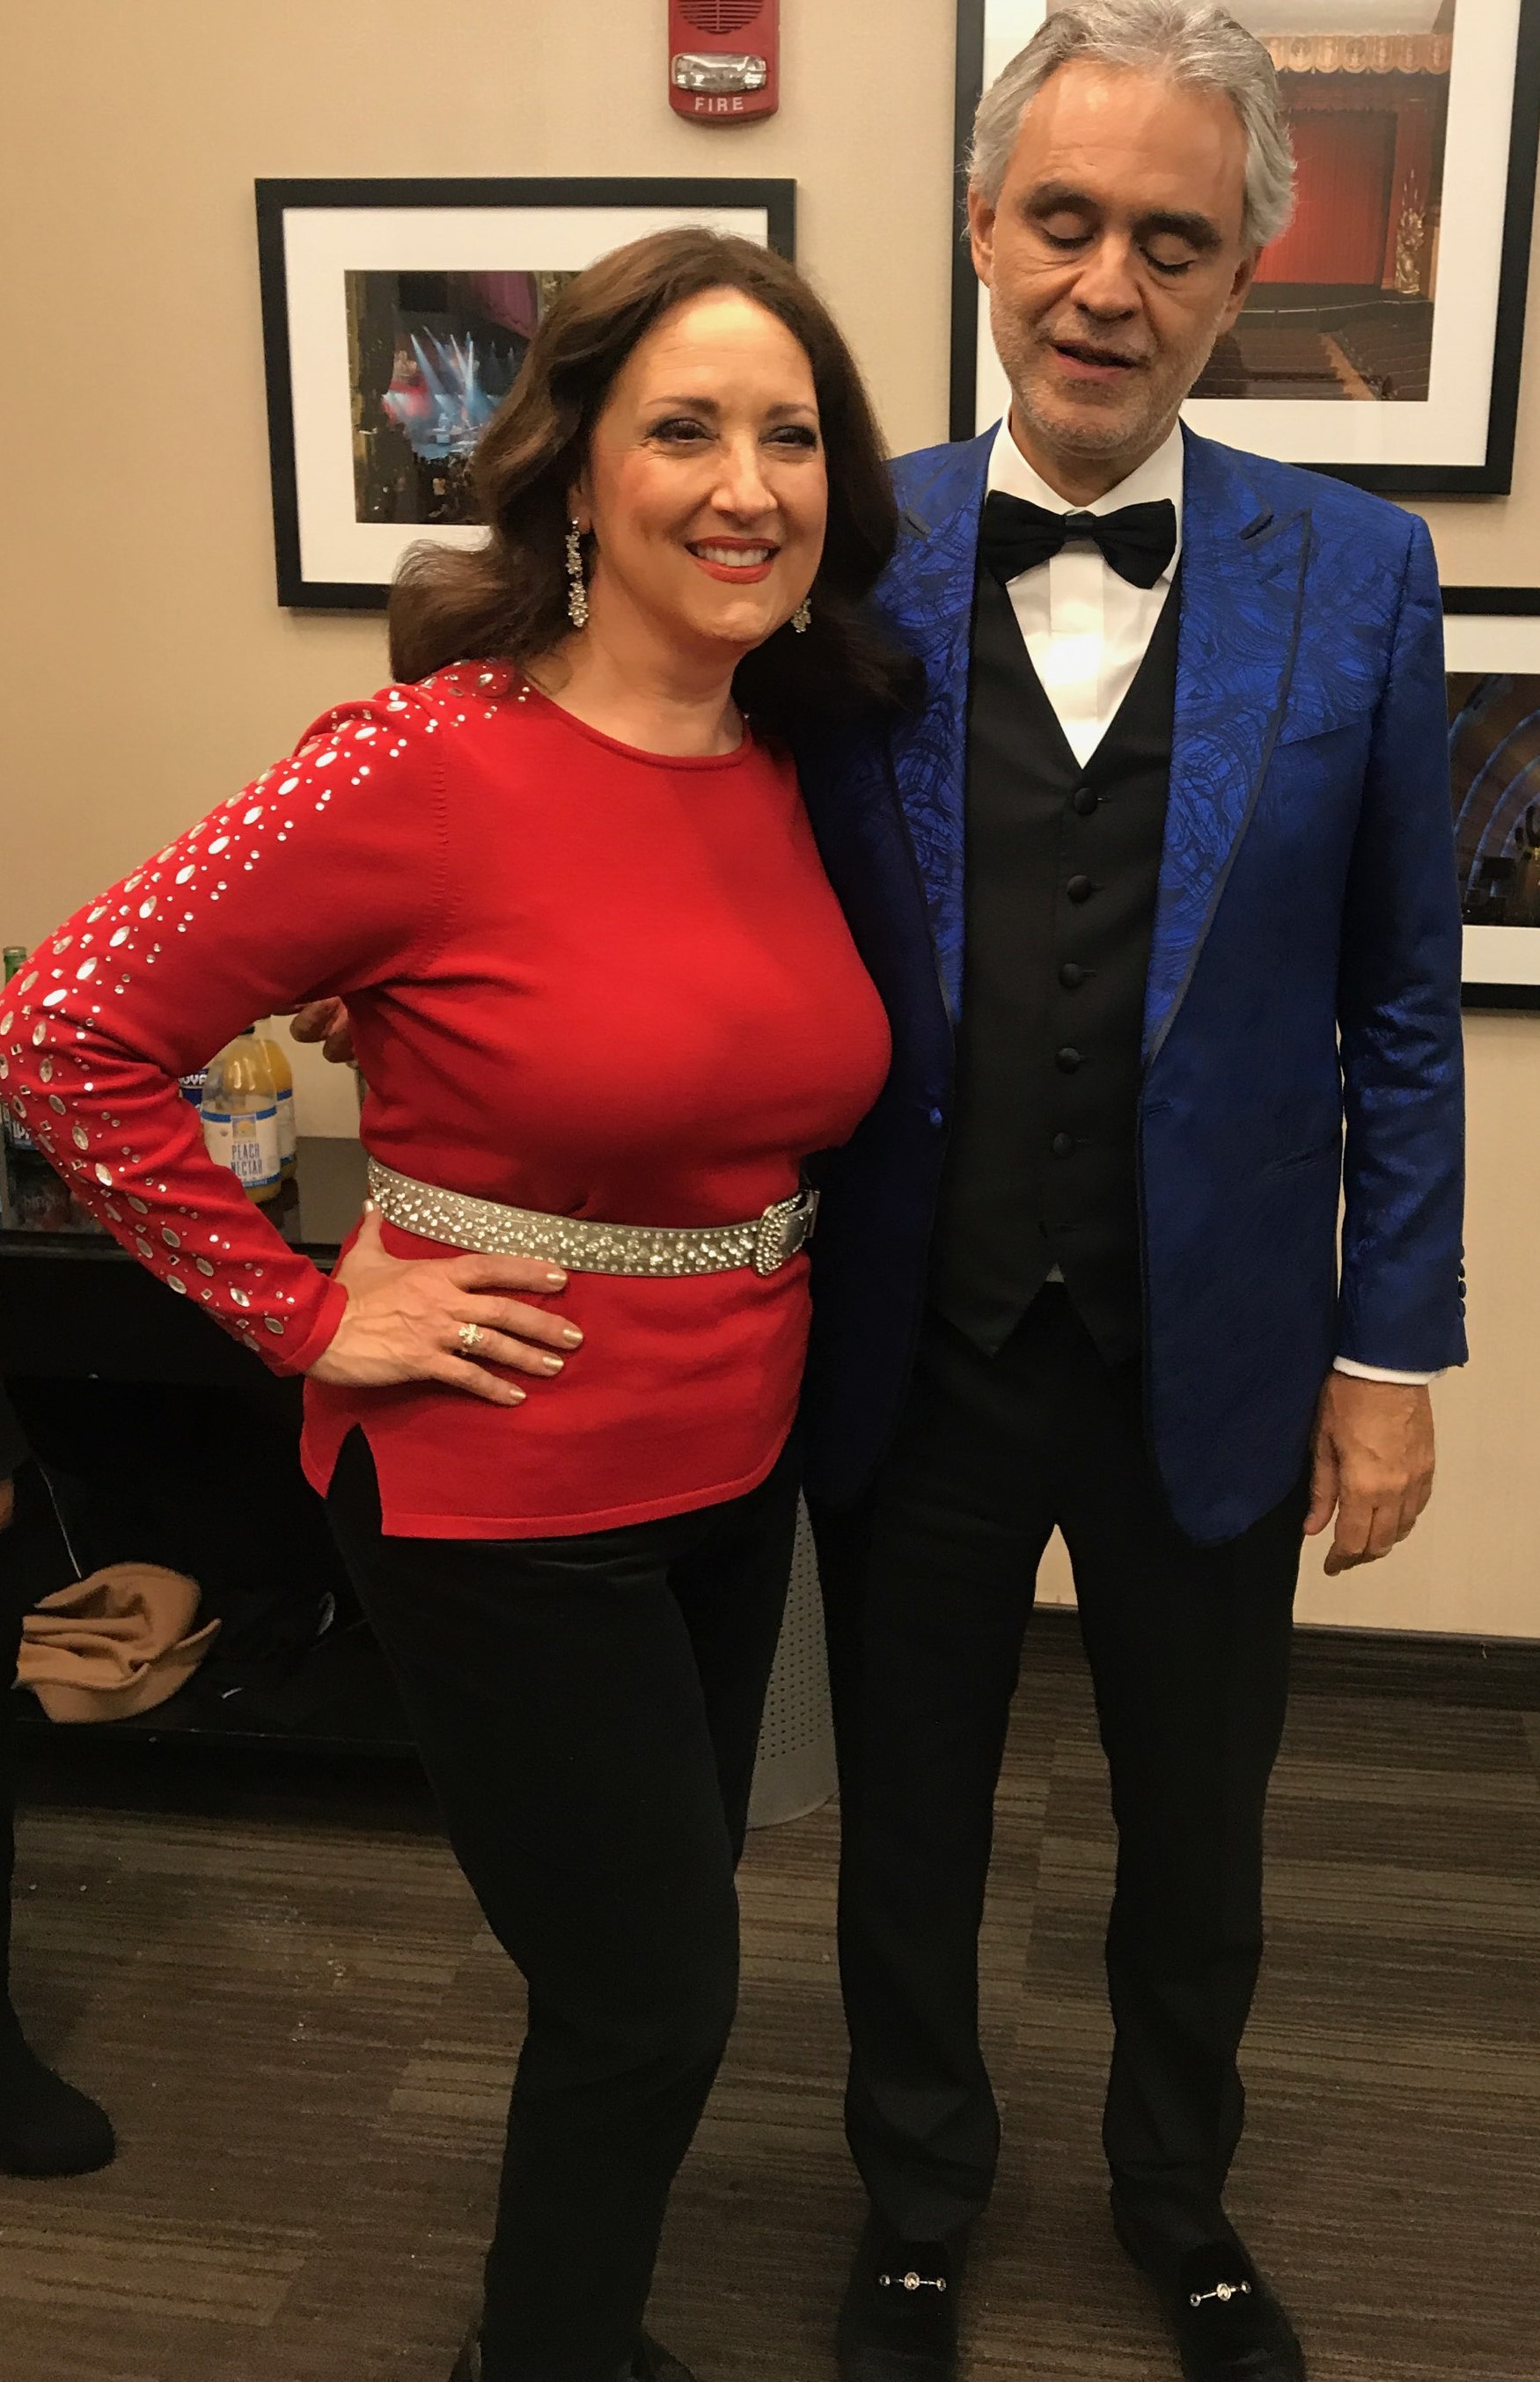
<point>583,980</point>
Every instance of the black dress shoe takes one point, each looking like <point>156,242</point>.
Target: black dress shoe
<point>46,2127</point>
<point>1228,2326</point>
<point>899,2320</point>
<point>652,2362</point>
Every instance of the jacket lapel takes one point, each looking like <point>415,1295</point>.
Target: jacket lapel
<point>927,595</point>
<point>1243,570</point>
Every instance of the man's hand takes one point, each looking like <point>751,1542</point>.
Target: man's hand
<point>1373,1467</point>
<point>326,1022</point>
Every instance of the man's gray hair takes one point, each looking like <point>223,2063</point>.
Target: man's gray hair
<point>1191,41</point>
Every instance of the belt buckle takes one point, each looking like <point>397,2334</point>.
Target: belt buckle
<point>784,1229</point>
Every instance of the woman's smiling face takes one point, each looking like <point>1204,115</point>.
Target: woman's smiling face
<point>705,488</point>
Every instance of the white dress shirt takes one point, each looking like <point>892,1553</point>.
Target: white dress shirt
<point>1088,630</point>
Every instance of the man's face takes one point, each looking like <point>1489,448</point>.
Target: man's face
<point>1113,260</point>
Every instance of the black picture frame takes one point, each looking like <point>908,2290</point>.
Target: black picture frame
<point>1491,477</point>
<point>278,201</point>
<point>1508,603</point>
<point>1498,606</point>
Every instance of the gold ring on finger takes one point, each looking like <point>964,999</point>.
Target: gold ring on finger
<point>470,1336</point>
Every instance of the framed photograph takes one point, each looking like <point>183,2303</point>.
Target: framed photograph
<point>1492,646</point>
<point>1382,339</point>
<point>396,315</point>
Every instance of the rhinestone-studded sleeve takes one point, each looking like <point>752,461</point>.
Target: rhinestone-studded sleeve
<point>324,874</point>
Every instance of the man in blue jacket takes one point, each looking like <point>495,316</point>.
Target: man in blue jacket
<point>1160,893</point>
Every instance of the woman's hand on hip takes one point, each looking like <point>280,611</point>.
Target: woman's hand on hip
<point>407,1319</point>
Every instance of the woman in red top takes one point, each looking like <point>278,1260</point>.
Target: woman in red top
<point>605,1005</point>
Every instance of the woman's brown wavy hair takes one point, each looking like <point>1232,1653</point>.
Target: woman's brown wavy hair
<point>508,598</point>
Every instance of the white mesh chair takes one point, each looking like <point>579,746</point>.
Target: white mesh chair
<point>796,1769</point>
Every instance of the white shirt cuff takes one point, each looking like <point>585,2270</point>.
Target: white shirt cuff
<point>1381,1373</point>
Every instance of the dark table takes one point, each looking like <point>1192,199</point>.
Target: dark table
<point>158,1438</point>
<point>75,1306</point>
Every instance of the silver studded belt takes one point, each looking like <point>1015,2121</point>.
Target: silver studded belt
<point>766,1243</point>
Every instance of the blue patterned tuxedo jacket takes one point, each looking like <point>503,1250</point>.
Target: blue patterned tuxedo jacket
<point>1304,978</point>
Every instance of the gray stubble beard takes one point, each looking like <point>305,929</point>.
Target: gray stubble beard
<point>1090,438</point>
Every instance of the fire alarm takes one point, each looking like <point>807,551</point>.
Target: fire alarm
<point>724,59</point>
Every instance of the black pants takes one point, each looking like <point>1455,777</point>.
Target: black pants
<point>588,1710</point>
<point>931,1589</point>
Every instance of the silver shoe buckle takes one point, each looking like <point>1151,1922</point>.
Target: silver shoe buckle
<point>1222,2292</point>
<point>911,2281</point>
<point>784,1229</point>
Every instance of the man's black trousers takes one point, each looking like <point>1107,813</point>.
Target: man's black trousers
<point>929,1588</point>
<point>587,1710</point>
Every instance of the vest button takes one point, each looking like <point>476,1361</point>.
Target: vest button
<point>1072,976</point>
<point>1063,1145</point>
<point>1080,889</point>
<point>1067,1061</point>
<point>1086,801</point>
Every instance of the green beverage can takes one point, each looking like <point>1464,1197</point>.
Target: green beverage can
<point>15,1136</point>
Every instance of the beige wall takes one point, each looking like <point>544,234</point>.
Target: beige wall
<point>149,670</point>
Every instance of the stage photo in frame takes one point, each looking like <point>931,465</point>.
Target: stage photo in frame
<point>395,318</point>
<point>1492,652</point>
<point>1382,339</point>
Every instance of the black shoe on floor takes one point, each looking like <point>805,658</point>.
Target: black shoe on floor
<point>899,2320</point>
<point>1228,2326</point>
<point>651,2364</point>
<point>46,2127</point>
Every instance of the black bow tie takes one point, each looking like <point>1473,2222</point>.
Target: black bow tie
<point>1138,543</point>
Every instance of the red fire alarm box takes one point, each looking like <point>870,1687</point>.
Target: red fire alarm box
<point>724,59</point>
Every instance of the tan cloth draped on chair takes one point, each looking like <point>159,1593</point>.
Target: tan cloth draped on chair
<point>114,1644</point>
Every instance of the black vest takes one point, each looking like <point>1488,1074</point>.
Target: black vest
<point>1062,870</point>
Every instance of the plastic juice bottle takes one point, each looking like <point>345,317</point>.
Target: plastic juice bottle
<point>16,1137</point>
<point>240,1115</point>
<point>283,1082</point>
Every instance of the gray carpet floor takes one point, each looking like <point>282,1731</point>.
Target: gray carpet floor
<point>273,1976</point>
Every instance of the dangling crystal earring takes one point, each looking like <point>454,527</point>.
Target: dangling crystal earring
<point>802,618</point>
<point>577,593</point>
